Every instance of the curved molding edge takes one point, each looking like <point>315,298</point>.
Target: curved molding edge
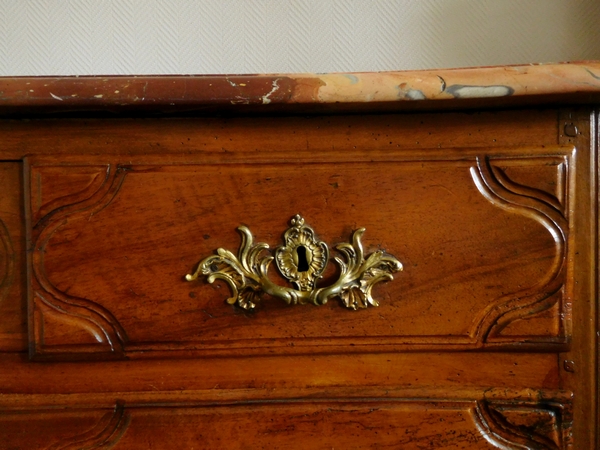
<point>498,431</point>
<point>90,314</point>
<point>495,186</point>
<point>7,273</point>
<point>99,181</point>
<point>104,435</point>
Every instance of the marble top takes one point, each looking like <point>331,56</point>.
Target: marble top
<point>578,79</point>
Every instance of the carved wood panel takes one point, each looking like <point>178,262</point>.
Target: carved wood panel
<point>74,429</point>
<point>485,255</point>
<point>489,421</point>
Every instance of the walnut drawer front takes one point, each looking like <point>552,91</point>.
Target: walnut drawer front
<point>482,340</point>
<point>484,237</point>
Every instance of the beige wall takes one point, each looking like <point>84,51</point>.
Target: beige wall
<point>68,37</point>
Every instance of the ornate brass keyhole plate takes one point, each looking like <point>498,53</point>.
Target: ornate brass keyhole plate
<point>303,258</point>
<point>302,261</point>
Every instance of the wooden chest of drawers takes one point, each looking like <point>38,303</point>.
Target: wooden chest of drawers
<point>462,316</point>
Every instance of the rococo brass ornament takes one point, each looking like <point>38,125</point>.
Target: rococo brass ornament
<point>301,261</point>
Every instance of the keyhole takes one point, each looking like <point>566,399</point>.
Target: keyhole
<point>302,261</point>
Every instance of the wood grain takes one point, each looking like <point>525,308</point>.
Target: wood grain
<point>13,309</point>
<point>402,423</point>
<point>189,207</point>
<point>54,431</point>
<point>582,359</point>
<point>284,136</point>
<point>487,339</point>
<point>283,373</point>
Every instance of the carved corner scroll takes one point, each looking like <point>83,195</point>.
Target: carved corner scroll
<point>76,186</point>
<point>80,312</point>
<point>516,425</point>
<point>548,211</point>
<point>301,261</point>
<point>104,435</point>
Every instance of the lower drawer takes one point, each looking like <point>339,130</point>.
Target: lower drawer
<point>494,422</point>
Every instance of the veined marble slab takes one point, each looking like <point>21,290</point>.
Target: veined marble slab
<point>191,92</point>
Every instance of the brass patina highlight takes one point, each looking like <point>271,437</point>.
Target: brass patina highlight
<point>301,261</point>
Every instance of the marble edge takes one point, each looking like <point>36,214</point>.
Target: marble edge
<point>268,89</point>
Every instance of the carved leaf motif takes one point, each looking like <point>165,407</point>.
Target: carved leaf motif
<point>248,298</point>
<point>247,275</point>
<point>220,268</point>
<point>241,274</point>
<point>285,261</point>
<point>354,297</point>
<point>378,267</point>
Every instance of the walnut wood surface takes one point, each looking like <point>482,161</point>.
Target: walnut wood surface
<point>487,339</point>
<point>468,423</point>
<point>13,328</point>
<point>111,294</point>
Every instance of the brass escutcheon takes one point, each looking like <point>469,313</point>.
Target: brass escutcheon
<point>301,261</point>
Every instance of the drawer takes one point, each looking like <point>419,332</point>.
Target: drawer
<point>353,281</point>
<point>484,238</point>
<point>327,424</point>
